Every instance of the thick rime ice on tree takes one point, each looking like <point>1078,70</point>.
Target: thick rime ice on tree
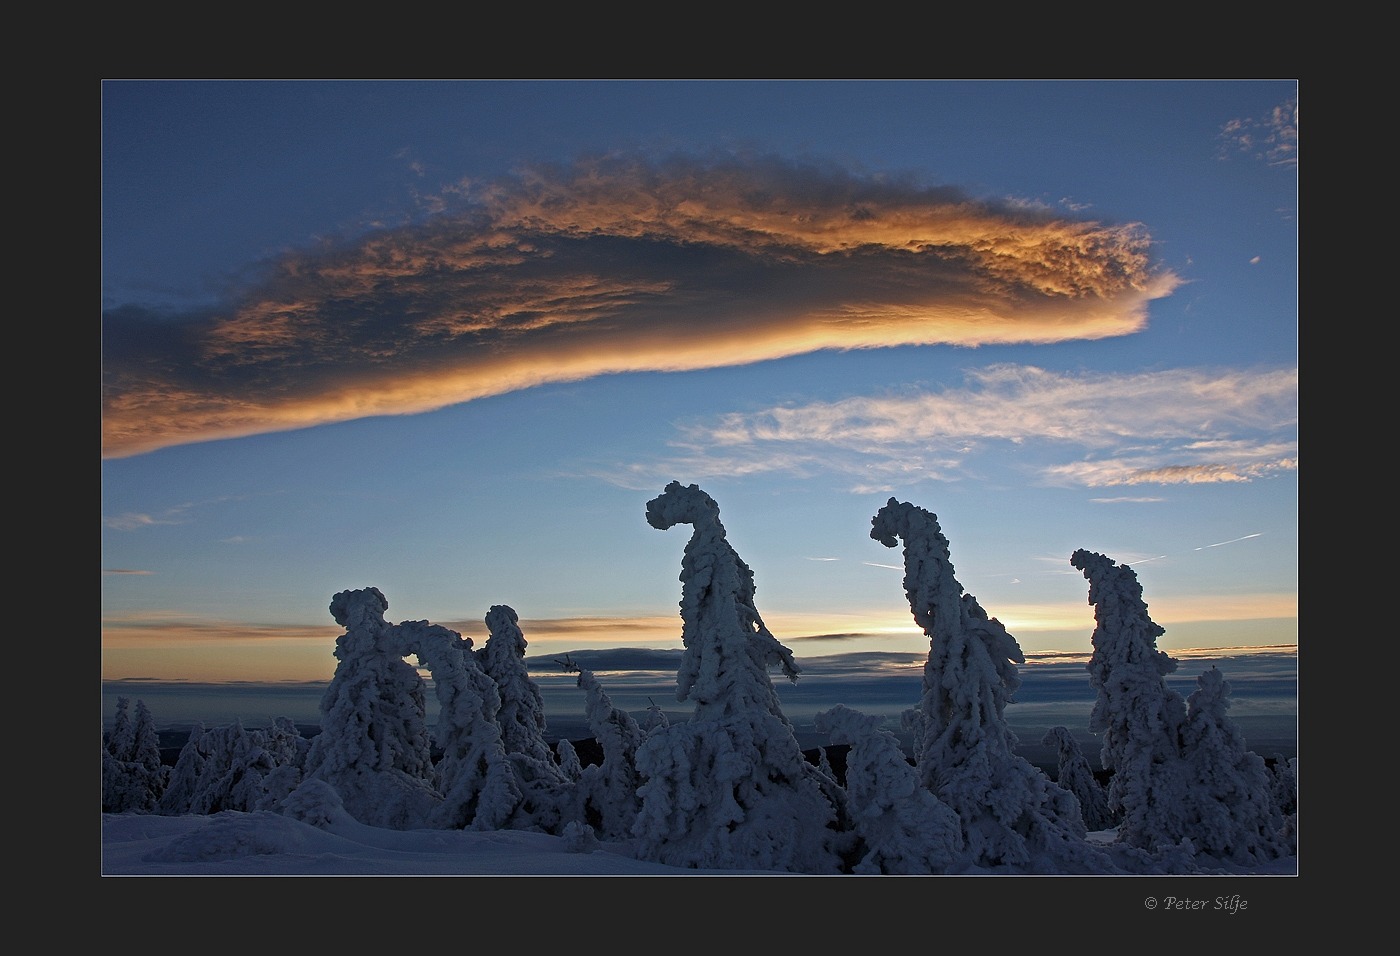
<point>1139,717</point>
<point>655,717</point>
<point>728,788</point>
<point>184,777</point>
<point>234,769</point>
<point>121,743</point>
<point>1232,789</point>
<point>1286,795</point>
<point>569,763</point>
<point>544,787</point>
<point>608,791</point>
<point>473,775</point>
<point>903,828</point>
<point>1075,775</point>
<point>133,779</point>
<point>1178,775</point>
<point>521,717</point>
<point>146,745</point>
<point>710,562</point>
<point>288,750</point>
<point>1286,783</point>
<point>1014,818</point>
<point>522,721</point>
<point>374,747</point>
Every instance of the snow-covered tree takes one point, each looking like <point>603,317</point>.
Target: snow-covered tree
<point>1139,717</point>
<point>608,791</point>
<point>543,786</point>
<point>127,787</point>
<point>569,762</point>
<point>655,717</point>
<point>1075,775</point>
<point>133,778</point>
<point>1182,771</point>
<point>521,717</point>
<point>474,776</point>
<point>114,782</point>
<point>184,777</point>
<point>146,748</point>
<point>1286,795</point>
<point>374,746</point>
<point>729,788</point>
<point>287,749</point>
<point>903,828</point>
<point>235,764</point>
<point>1285,772</point>
<point>121,742</point>
<point>1231,788</point>
<point>1014,818</point>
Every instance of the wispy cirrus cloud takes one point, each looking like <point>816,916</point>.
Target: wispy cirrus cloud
<point>1181,426</point>
<point>133,520</point>
<point>182,513</point>
<point>615,265</point>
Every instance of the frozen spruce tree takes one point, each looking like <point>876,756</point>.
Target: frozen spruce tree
<point>521,718</point>
<point>374,747</point>
<point>134,780</point>
<point>146,746</point>
<point>902,827</point>
<point>1139,717</point>
<point>232,774</point>
<point>655,717</point>
<point>121,742</point>
<point>608,791</point>
<point>729,788</point>
<point>1076,776</point>
<point>474,774</point>
<point>287,749</point>
<point>1014,818</point>
<point>116,786</point>
<point>1286,796</point>
<point>1231,788</point>
<point>569,761</point>
<point>184,777</point>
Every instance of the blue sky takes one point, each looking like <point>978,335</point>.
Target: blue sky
<point>448,338</point>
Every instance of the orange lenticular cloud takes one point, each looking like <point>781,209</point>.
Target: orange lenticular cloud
<point>615,266</point>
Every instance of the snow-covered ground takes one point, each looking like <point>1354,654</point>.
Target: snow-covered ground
<point>270,844</point>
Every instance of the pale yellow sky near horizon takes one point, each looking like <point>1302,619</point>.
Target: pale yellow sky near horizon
<point>153,649</point>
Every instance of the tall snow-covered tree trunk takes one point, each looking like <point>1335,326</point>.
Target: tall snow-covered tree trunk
<point>1139,717</point>
<point>374,747</point>
<point>729,788</point>
<point>1014,818</point>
